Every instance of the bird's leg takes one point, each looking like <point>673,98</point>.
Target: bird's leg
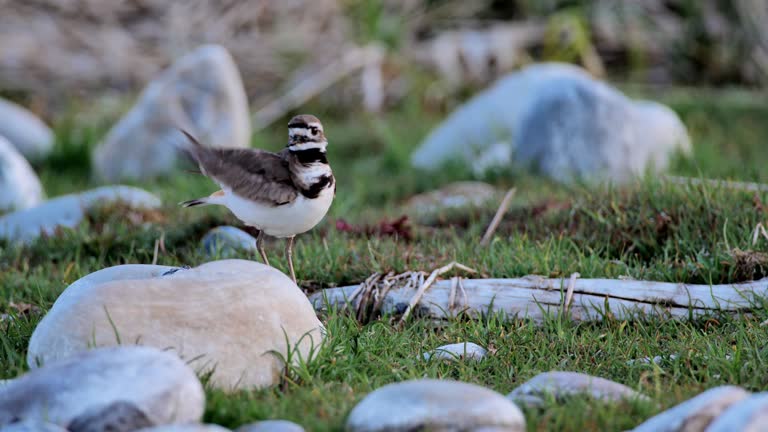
<point>260,246</point>
<point>289,254</point>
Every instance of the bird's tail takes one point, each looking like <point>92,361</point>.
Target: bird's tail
<point>214,198</point>
<point>190,147</point>
<point>195,202</point>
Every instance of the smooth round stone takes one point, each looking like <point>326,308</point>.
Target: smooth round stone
<point>696,413</point>
<point>227,240</point>
<point>561,385</point>
<point>747,415</point>
<point>69,210</point>
<point>19,186</point>
<point>232,318</point>
<point>429,404</point>
<point>186,428</point>
<point>27,133</point>
<point>457,351</point>
<point>271,426</point>
<point>201,92</point>
<point>133,381</point>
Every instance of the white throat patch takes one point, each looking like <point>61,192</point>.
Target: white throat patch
<point>309,145</point>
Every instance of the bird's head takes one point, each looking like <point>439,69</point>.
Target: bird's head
<point>306,132</point>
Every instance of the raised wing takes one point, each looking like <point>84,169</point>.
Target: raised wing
<point>253,174</point>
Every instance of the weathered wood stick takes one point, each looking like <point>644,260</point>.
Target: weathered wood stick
<point>537,298</point>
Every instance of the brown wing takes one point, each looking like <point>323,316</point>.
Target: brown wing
<point>253,174</point>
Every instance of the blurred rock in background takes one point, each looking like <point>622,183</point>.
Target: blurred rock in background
<point>19,186</point>
<point>202,93</point>
<point>30,136</point>
<point>53,48</point>
<point>557,120</point>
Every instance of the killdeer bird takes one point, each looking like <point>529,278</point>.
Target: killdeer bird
<point>281,194</point>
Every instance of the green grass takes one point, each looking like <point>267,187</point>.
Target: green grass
<point>649,230</point>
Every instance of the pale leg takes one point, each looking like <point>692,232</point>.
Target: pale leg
<point>260,246</point>
<point>289,254</point>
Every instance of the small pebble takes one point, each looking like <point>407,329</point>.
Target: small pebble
<point>457,351</point>
<point>271,426</point>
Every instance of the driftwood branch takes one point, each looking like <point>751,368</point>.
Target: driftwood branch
<point>537,298</point>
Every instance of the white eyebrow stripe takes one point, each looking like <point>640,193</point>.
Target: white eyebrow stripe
<point>298,132</point>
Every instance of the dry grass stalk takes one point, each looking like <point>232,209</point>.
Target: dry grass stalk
<point>425,286</point>
<point>503,207</point>
<point>569,292</point>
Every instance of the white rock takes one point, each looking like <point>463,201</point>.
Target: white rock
<point>271,426</point>
<point>747,415</point>
<point>429,404</point>
<point>655,360</point>
<point>19,186</point>
<point>560,385</point>
<point>557,120</point>
<point>457,351</point>
<point>32,426</point>
<point>227,240</point>
<point>68,211</point>
<point>694,414</point>
<point>185,428</point>
<point>201,92</point>
<point>451,196</point>
<point>229,316</point>
<point>158,383</point>
<point>27,133</point>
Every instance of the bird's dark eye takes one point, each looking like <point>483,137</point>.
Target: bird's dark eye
<point>313,130</point>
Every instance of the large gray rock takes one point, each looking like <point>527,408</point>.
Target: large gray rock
<point>748,415</point>
<point>234,318</point>
<point>561,385</point>
<point>159,385</point>
<point>556,119</point>
<point>19,186</point>
<point>68,211</point>
<point>429,404</point>
<point>694,415</point>
<point>27,133</point>
<point>201,92</point>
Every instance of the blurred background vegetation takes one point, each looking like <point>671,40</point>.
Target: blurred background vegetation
<point>55,51</point>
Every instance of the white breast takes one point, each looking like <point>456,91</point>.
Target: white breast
<point>282,221</point>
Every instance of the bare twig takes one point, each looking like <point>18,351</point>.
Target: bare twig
<point>452,295</point>
<point>425,286</point>
<point>759,230</point>
<point>569,292</point>
<point>497,217</point>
